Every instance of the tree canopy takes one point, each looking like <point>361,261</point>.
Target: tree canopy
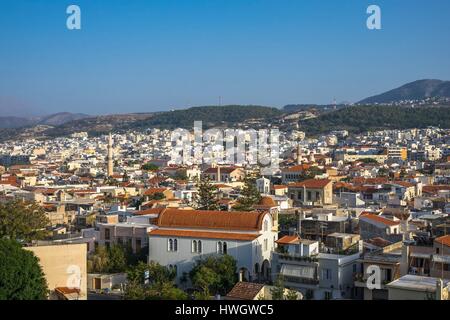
<point>21,277</point>
<point>206,198</point>
<point>160,284</point>
<point>22,221</point>
<point>215,274</point>
<point>250,196</point>
<point>116,258</point>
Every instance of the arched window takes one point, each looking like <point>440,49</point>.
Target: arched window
<point>199,246</point>
<point>224,248</point>
<point>219,247</point>
<point>175,245</point>
<point>194,246</point>
<point>266,225</point>
<point>170,245</point>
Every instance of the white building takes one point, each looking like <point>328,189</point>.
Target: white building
<point>184,236</point>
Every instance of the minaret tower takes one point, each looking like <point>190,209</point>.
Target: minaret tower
<point>110,156</point>
<point>299,154</point>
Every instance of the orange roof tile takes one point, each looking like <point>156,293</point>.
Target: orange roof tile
<point>204,234</point>
<point>445,240</point>
<point>154,190</point>
<point>379,219</point>
<point>288,240</point>
<point>311,183</point>
<point>267,201</point>
<point>298,168</point>
<point>245,290</point>
<point>176,218</point>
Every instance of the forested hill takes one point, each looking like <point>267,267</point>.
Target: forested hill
<point>209,115</point>
<point>364,118</point>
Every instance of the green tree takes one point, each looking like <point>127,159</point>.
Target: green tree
<point>205,278</point>
<point>160,284</point>
<point>250,196</point>
<point>292,295</point>
<point>206,198</point>
<point>277,291</point>
<point>150,167</point>
<point>215,274</point>
<point>21,277</point>
<point>157,196</point>
<point>117,258</point>
<point>23,221</point>
<point>99,261</point>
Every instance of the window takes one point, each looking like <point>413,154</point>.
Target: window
<point>437,250</point>
<point>138,245</point>
<point>172,245</point>
<point>446,267</point>
<point>309,195</point>
<point>326,274</point>
<point>266,225</point>
<point>196,246</point>
<point>222,247</point>
<point>265,244</point>
<point>107,234</point>
<point>328,295</point>
<point>388,274</point>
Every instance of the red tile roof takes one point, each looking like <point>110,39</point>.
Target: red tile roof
<point>288,240</point>
<point>204,234</point>
<point>311,183</point>
<point>152,191</point>
<point>245,291</point>
<point>297,168</point>
<point>379,219</point>
<point>445,240</point>
<point>202,219</point>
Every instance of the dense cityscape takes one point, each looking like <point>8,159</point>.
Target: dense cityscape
<point>224,159</point>
<point>123,219</point>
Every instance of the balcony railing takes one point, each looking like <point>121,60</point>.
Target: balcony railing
<point>296,257</point>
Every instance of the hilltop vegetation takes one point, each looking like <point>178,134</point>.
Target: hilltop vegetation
<point>364,118</point>
<point>209,115</point>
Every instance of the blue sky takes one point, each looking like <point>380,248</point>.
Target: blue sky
<point>137,56</point>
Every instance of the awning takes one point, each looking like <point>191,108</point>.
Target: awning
<point>297,271</point>
<point>441,258</point>
<point>420,255</point>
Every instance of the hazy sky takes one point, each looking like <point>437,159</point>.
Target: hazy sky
<point>137,56</point>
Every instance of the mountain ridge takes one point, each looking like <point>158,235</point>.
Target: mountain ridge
<point>416,90</point>
<point>55,119</point>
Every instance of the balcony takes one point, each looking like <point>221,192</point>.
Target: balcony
<point>296,257</point>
